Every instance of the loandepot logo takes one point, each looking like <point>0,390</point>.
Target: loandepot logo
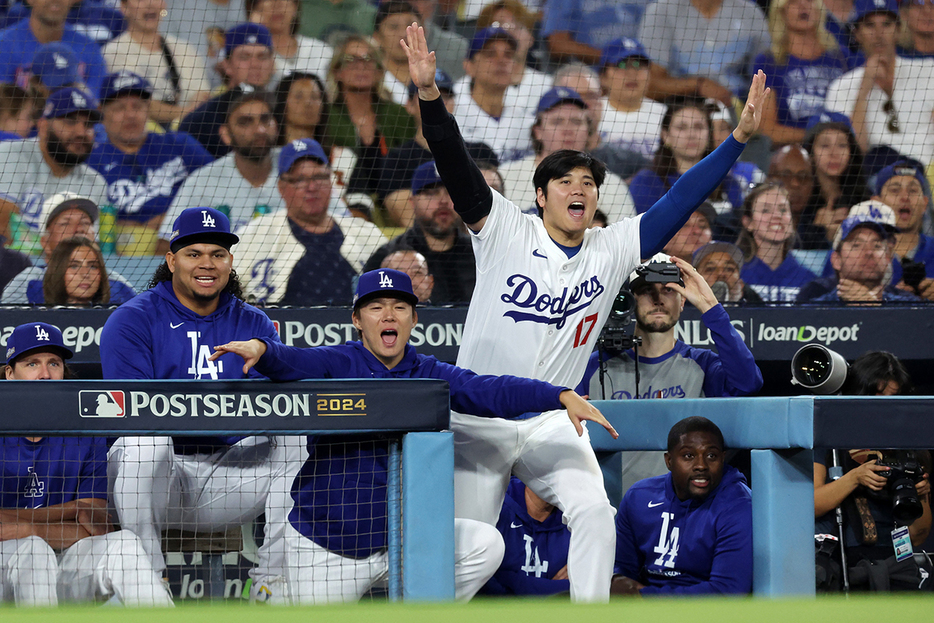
<point>808,333</point>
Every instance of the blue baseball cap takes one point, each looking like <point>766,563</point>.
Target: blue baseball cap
<point>424,176</point>
<point>124,83</point>
<point>621,49</point>
<point>490,34</point>
<point>863,8</point>
<point>34,336</point>
<point>55,64</point>
<point>297,150</point>
<point>559,95</point>
<point>826,118</point>
<point>900,168</point>
<point>201,225</point>
<point>247,33</point>
<point>444,82</point>
<point>384,282</point>
<point>69,100</point>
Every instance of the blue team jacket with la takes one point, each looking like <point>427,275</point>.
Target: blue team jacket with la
<point>51,471</point>
<point>340,492</point>
<point>535,550</point>
<point>688,547</point>
<point>154,336</point>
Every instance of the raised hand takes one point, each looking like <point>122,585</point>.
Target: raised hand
<point>251,351</point>
<point>752,111</point>
<point>695,289</point>
<point>422,63</point>
<point>579,409</point>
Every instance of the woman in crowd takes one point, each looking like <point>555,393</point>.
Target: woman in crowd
<point>363,116</point>
<point>868,513</point>
<point>917,24</point>
<point>766,240</point>
<point>294,52</point>
<point>686,137</point>
<point>804,59</point>
<point>302,105</point>
<point>76,275</point>
<point>839,180</point>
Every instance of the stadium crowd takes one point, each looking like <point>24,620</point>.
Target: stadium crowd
<point>296,127</point>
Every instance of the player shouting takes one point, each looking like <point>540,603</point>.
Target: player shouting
<point>544,289</point>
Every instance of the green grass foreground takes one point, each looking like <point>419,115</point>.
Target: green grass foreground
<point>874,609</point>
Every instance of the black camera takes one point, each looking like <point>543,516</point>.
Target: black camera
<point>617,334</point>
<point>660,272</point>
<point>904,470</point>
<point>818,369</point>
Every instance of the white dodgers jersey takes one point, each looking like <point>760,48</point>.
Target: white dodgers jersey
<point>535,312</point>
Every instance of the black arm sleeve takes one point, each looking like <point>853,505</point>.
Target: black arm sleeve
<point>470,193</point>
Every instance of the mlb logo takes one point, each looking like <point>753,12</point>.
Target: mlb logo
<point>103,403</point>
<point>275,323</point>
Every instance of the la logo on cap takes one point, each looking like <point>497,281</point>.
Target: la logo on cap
<point>252,38</point>
<point>207,219</point>
<point>385,281</point>
<point>60,61</point>
<point>875,213</point>
<point>78,100</point>
<point>299,145</point>
<point>629,43</point>
<point>41,334</point>
<point>123,81</point>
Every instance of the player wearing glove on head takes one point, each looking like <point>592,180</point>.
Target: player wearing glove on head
<point>544,288</point>
<point>337,548</point>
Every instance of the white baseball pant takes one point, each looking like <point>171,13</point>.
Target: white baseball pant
<point>28,572</point>
<point>318,576</point>
<point>559,467</point>
<point>152,489</point>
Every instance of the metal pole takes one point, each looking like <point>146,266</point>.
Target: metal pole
<point>836,472</point>
<point>394,520</point>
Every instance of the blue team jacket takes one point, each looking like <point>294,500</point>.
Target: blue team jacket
<point>154,336</point>
<point>535,550</point>
<point>51,471</point>
<point>706,548</point>
<point>340,492</point>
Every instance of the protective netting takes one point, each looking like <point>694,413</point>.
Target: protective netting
<point>203,101</point>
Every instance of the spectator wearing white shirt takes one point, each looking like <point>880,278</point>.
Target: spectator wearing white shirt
<point>293,52</point>
<point>389,28</point>
<point>562,123</point>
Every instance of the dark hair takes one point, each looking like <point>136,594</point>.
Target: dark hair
<point>745,241</point>
<point>664,164</point>
<point>393,7</point>
<point>693,424</point>
<point>234,288</point>
<point>252,96</point>
<point>282,97</point>
<point>14,99</point>
<point>853,187</point>
<point>250,5</point>
<point>562,162</point>
<point>875,368</point>
<point>53,284</point>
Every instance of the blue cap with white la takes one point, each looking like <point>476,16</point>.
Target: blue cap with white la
<point>621,49</point>
<point>486,35</point>
<point>559,95</point>
<point>384,282</point>
<point>201,225</point>
<point>55,64</point>
<point>124,82</point>
<point>864,8</point>
<point>247,33</point>
<point>35,336</point>
<point>299,149</point>
<point>64,102</point>
<point>828,117</point>
<point>426,176</point>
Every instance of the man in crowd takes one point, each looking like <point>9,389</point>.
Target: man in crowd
<point>34,170</point>
<point>688,532</point>
<point>581,30</point>
<point>64,216</point>
<point>791,166</point>
<point>47,23</point>
<point>694,234</point>
<point>53,504</point>
<point>413,264</point>
<point>248,66</point>
<point>437,235</point>
<point>391,19</point>
<point>303,255</point>
<point>667,367</point>
<point>721,262</point>
<point>143,169</point>
<point>200,484</point>
<point>241,184</point>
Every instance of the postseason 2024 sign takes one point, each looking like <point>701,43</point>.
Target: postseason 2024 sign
<point>225,407</point>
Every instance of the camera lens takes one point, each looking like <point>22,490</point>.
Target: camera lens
<point>819,369</point>
<point>812,366</point>
<point>905,504</point>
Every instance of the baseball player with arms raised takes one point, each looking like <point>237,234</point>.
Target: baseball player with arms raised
<point>56,539</point>
<point>199,484</point>
<point>337,537</point>
<point>544,289</point>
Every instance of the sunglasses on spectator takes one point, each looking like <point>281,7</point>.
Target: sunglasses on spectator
<point>350,59</point>
<point>891,117</point>
<point>311,180</point>
<point>633,62</point>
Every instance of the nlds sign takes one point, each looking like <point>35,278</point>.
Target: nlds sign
<point>112,403</point>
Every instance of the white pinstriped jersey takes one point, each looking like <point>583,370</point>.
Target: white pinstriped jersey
<point>535,312</point>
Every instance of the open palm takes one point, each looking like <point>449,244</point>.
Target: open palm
<point>422,62</point>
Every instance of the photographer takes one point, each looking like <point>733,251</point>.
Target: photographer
<point>669,368</point>
<point>865,488</point>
